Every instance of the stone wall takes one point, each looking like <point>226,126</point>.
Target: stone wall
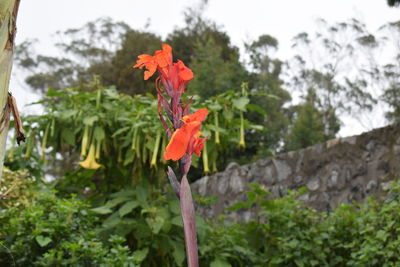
<point>341,170</point>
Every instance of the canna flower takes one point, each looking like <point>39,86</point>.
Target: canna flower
<point>162,59</point>
<point>174,76</point>
<point>187,139</point>
<point>90,161</point>
<point>179,75</point>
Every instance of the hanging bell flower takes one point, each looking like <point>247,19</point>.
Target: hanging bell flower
<point>90,161</point>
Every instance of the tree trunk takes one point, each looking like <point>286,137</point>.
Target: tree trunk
<point>8,18</point>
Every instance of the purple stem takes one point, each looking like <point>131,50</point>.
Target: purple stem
<point>189,223</point>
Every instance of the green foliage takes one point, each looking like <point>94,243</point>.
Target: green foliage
<point>199,31</point>
<point>58,232</point>
<point>141,226</point>
<point>127,134</point>
<point>15,189</point>
<point>308,127</point>
<point>270,96</point>
<point>213,74</point>
<point>148,220</point>
<point>119,72</point>
<point>109,49</point>
<point>286,233</point>
<point>393,3</point>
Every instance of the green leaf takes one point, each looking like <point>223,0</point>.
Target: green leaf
<point>256,108</point>
<point>68,136</point>
<point>121,130</point>
<point>124,193</point>
<point>177,221</point>
<point>220,263</point>
<point>228,114</point>
<point>112,220</point>
<point>155,224</point>
<point>215,106</point>
<point>178,252</point>
<point>240,103</point>
<point>217,129</point>
<point>128,207</point>
<point>141,193</point>
<point>67,114</point>
<point>90,120</point>
<point>114,202</point>
<point>99,133</point>
<point>175,207</point>
<point>43,241</point>
<point>102,210</point>
<point>140,255</point>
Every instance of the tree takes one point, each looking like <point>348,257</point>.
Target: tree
<point>214,75</point>
<point>208,51</point>
<point>119,71</point>
<point>308,127</point>
<point>337,63</point>
<point>270,95</point>
<point>87,51</point>
<point>393,3</point>
<point>8,17</point>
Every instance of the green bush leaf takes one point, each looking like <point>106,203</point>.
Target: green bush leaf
<point>220,263</point>
<point>128,207</point>
<point>68,136</point>
<point>42,241</point>
<point>102,210</point>
<point>140,255</point>
<point>240,103</point>
<point>179,252</point>
<point>155,223</point>
<point>90,120</point>
<point>99,133</point>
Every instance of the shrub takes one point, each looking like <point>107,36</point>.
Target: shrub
<point>142,227</point>
<point>58,232</point>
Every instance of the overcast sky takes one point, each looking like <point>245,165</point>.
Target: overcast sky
<point>244,20</point>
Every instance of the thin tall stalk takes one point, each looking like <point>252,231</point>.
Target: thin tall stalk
<point>183,131</point>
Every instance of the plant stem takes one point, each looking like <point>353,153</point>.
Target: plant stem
<point>189,223</point>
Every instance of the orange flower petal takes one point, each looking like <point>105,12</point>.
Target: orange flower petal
<point>185,73</point>
<point>198,145</point>
<point>161,58</point>
<point>200,115</point>
<point>177,146</point>
<point>179,142</point>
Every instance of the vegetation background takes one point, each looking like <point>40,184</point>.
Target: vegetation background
<point>124,213</point>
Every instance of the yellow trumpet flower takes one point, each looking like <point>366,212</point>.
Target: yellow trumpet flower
<point>90,161</point>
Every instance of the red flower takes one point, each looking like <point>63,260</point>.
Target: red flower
<point>187,138</point>
<point>174,76</point>
<point>162,59</point>
<point>179,75</point>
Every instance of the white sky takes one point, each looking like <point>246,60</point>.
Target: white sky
<point>244,20</point>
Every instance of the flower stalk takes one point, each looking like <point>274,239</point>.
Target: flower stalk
<point>182,130</point>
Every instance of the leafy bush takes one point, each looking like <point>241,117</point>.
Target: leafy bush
<point>293,235</point>
<point>15,189</point>
<point>142,227</point>
<point>149,221</point>
<point>126,134</point>
<point>58,232</point>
